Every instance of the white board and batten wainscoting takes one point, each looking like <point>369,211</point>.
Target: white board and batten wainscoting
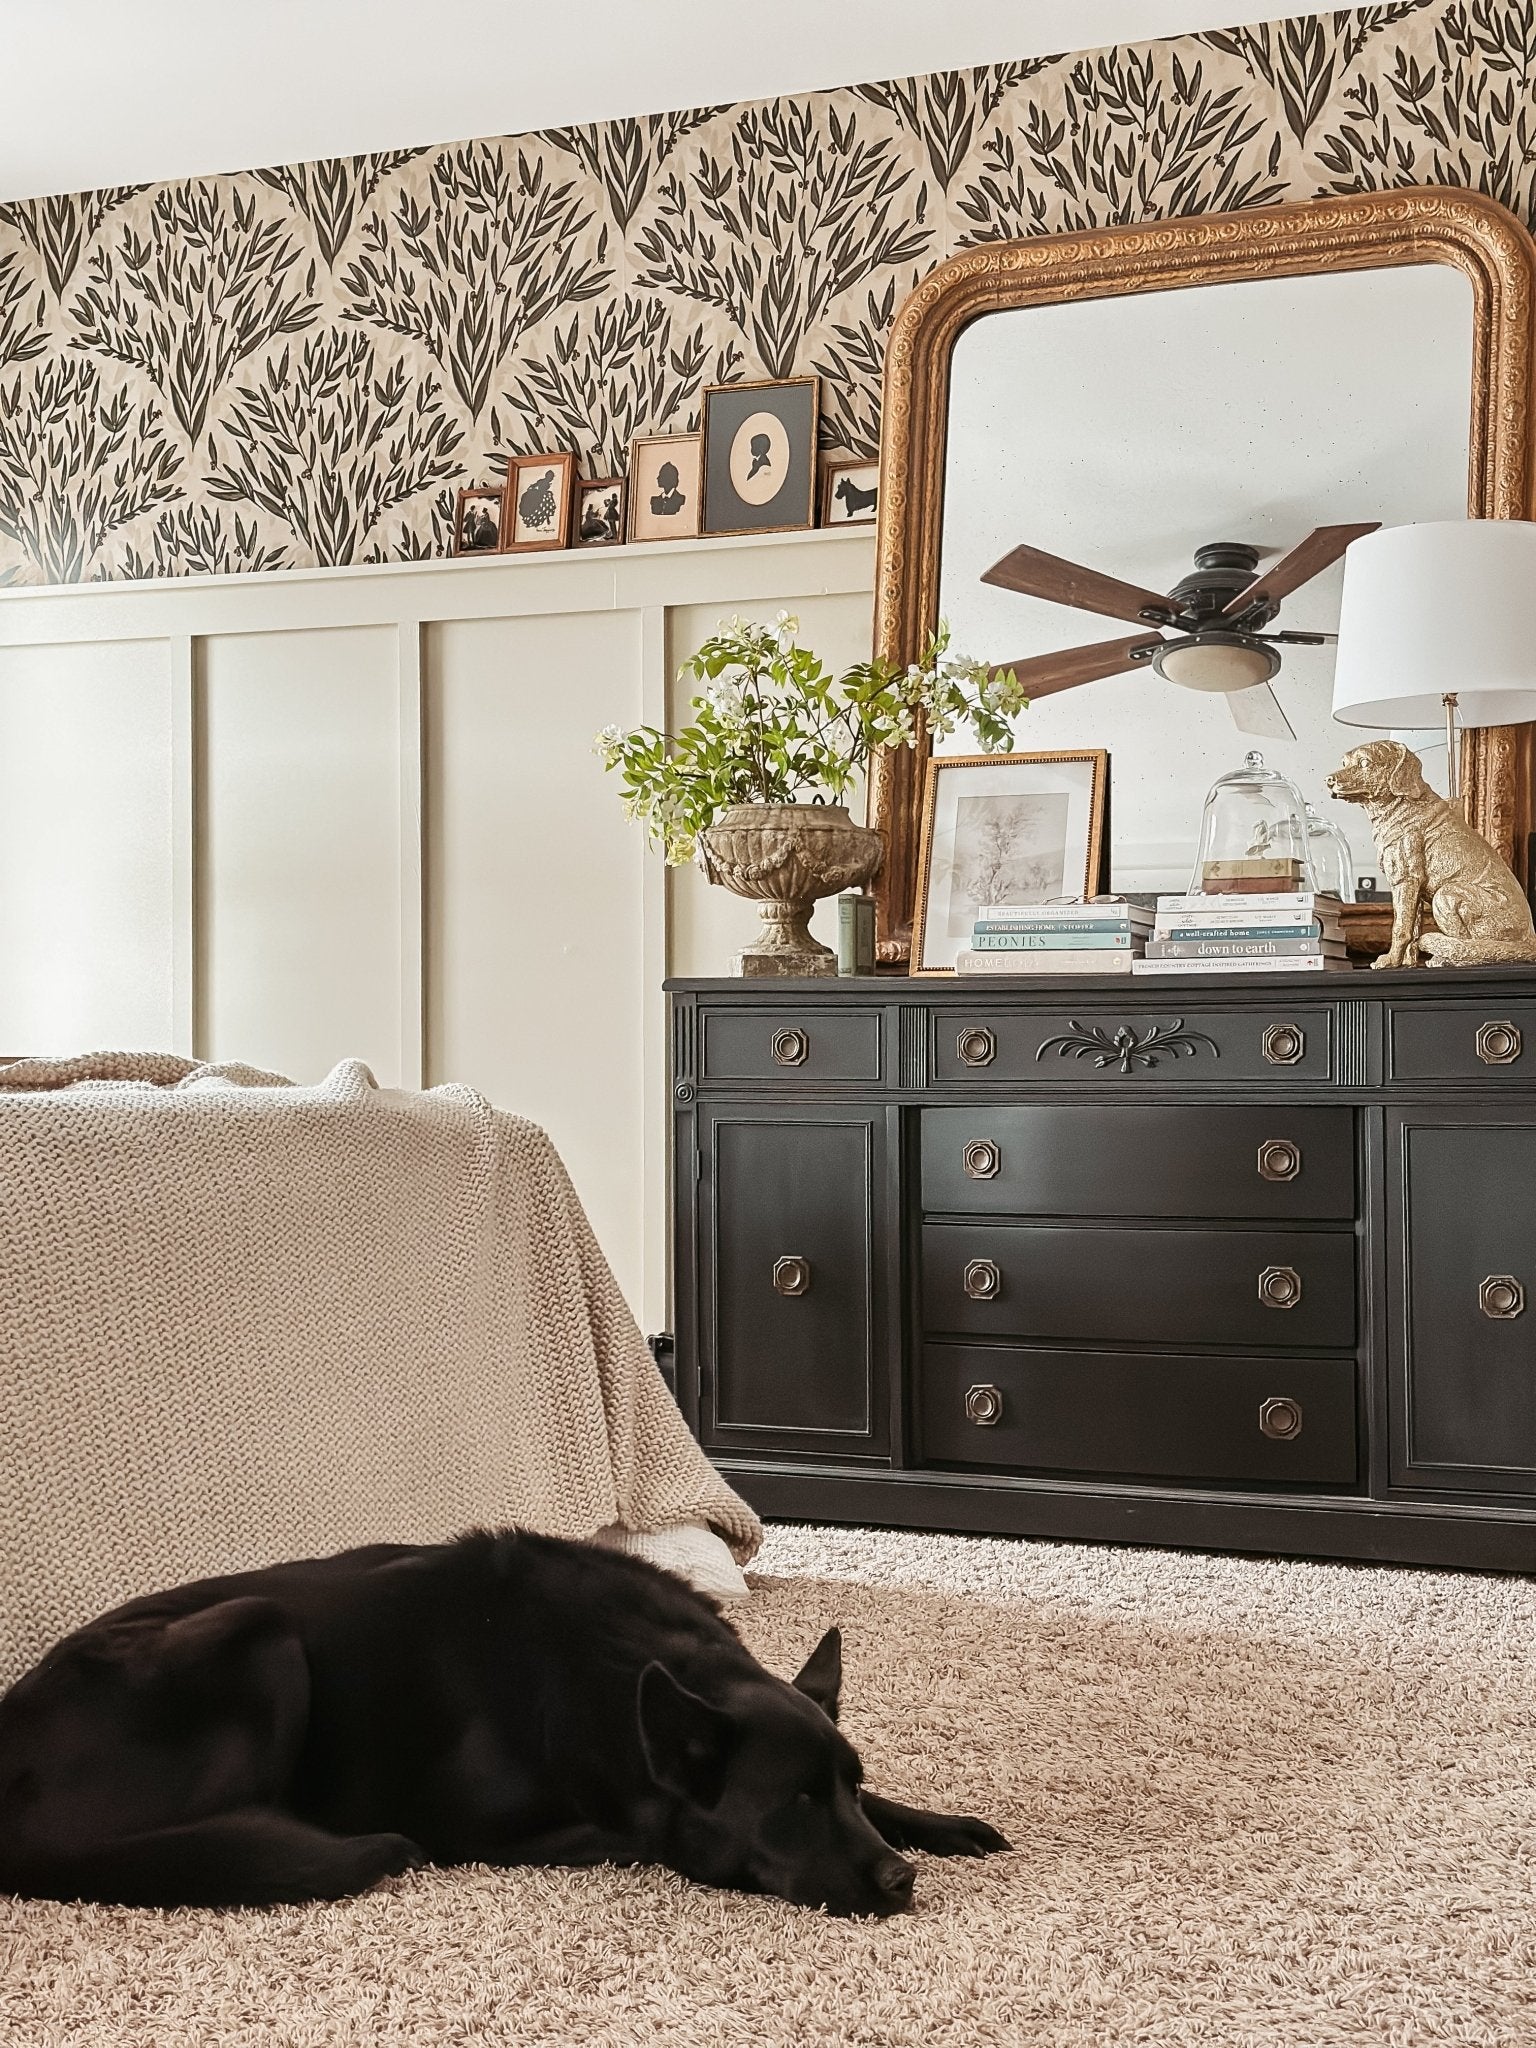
<point>298,817</point>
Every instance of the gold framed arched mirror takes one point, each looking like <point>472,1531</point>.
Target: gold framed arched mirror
<point>1121,397</point>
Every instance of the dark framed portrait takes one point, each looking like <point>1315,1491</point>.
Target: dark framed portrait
<point>850,492</point>
<point>599,513</point>
<point>664,487</point>
<point>477,520</point>
<point>760,456</point>
<point>541,491</point>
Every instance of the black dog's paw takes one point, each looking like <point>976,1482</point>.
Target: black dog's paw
<point>960,1834</point>
<point>375,1857</point>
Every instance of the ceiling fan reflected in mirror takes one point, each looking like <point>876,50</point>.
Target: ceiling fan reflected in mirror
<point>1215,615</point>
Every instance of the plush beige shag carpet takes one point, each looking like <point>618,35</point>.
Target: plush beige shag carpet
<point>1253,1802</point>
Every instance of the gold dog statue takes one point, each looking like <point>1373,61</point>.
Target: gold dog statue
<point>1435,862</point>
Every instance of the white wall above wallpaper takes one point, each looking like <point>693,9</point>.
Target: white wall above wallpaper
<point>301,365</point>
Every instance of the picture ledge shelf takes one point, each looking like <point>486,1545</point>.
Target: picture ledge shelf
<point>588,561</point>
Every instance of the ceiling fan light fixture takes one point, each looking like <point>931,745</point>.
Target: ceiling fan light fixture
<point>1217,662</point>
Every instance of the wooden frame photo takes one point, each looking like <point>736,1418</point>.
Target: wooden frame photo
<point>760,456</point>
<point>664,479</point>
<point>850,491</point>
<point>541,493</point>
<point>599,520</point>
<point>478,516</point>
<point>1005,828</point>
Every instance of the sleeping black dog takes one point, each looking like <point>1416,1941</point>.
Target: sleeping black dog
<point>303,1731</point>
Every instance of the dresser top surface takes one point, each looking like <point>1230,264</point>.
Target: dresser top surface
<point>1394,984</point>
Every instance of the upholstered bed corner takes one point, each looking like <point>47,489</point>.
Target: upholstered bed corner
<point>243,1321</point>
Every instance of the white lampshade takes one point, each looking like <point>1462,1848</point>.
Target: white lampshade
<point>1448,605</point>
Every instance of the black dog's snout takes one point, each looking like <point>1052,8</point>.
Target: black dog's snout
<point>896,1879</point>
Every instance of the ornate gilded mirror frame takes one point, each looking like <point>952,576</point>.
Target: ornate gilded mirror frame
<point>1368,231</point>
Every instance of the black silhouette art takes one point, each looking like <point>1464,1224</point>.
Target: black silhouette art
<point>480,526</point>
<point>600,522</point>
<point>668,499</point>
<point>538,504</point>
<point>762,455</point>
<point>853,499</point>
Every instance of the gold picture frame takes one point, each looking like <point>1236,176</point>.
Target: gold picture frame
<point>785,413</point>
<point>1070,820</point>
<point>647,456</point>
<point>1360,231</point>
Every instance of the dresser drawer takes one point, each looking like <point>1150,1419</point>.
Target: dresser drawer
<point>1285,1421</point>
<point>1236,1288</point>
<point>1273,1042</point>
<point>782,1044</point>
<point>1494,1043</point>
<point>1126,1159</point>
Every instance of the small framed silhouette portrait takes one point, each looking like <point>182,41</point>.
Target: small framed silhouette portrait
<point>760,456</point>
<point>541,490</point>
<point>850,493</point>
<point>599,513</point>
<point>477,521</point>
<point>664,487</point>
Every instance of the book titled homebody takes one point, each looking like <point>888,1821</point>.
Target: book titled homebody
<point>1100,960</point>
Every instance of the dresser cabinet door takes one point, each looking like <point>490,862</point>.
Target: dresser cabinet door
<point>1464,1303</point>
<point>793,1243</point>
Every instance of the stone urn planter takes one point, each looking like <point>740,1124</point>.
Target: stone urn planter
<point>786,857</point>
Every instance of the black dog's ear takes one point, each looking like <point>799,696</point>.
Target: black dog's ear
<point>820,1678</point>
<point>686,1742</point>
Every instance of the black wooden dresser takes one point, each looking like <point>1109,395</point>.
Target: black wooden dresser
<point>1247,1263</point>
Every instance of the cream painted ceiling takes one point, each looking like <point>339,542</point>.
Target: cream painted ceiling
<point>105,92</point>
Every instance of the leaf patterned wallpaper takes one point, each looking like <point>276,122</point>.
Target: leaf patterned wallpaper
<point>300,366</point>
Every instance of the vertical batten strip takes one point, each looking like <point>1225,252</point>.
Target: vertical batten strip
<point>185,814</point>
<point>655,955</point>
<point>413,875</point>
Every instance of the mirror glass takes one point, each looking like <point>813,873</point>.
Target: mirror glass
<point>1124,433</point>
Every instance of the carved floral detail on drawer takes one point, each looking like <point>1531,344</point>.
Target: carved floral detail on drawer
<point>1128,1046</point>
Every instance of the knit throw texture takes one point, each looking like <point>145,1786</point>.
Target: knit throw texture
<point>242,1321</point>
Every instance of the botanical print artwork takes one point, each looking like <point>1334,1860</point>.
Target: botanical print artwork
<point>305,365</point>
<point>1007,849</point>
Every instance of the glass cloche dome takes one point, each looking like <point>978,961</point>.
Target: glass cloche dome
<point>1253,834</point>
<point>1333,860</point>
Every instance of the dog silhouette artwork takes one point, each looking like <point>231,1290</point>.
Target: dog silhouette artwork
<point>537,506</point>
<point>853,500</point>
<point>668,499</point>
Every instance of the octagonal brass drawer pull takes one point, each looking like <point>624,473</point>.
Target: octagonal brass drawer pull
<point>1498,1043</point>
<point>1501,1297</point>
<point>1279,1287</point>
<point>1279,1159</point>
<point>790,1047</point>
<point>1280,1418</point>
<point>1283,1045</point>
<point>984,1404</point>
<point>976,1046</point>
<point>792,1275</point>
<point>982,1159</point>
<point>983,1280</point>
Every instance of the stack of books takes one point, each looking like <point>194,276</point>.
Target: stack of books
<point>1269,932</point>
<point>1101,937</point>
<point>1256,875</point>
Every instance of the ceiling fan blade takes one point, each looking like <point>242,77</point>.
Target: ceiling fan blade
<point>1033,573</point>
<point>1309,558</point>
<point>1044,674</point>
<point>1257,710</point>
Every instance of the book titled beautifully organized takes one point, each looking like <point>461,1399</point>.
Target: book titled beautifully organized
<point>1101,936</point>
<point>1268,932</point>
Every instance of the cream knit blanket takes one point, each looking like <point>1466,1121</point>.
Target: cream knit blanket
<point>242,1321</point>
